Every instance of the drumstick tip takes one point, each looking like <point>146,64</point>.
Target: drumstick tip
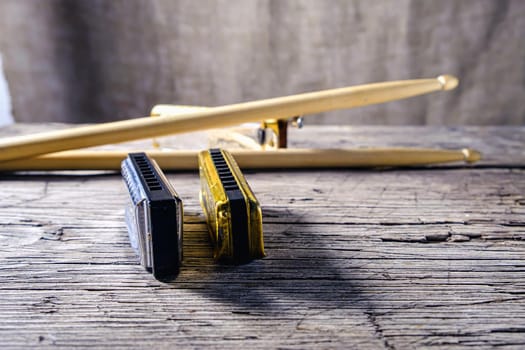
<point>471,155</point>
<point>448,82</point>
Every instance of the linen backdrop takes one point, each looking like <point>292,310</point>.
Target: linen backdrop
<point>99,60</point>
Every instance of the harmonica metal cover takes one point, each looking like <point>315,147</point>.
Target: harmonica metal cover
<point>154,216</point>
<point>232,212</point>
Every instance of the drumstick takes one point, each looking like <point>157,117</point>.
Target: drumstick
<point>280,107</point>
<point>250,159</point>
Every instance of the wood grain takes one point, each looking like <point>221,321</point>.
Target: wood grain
<point>379,259</point>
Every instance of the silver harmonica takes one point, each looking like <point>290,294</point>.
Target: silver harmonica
<point>154,216</point>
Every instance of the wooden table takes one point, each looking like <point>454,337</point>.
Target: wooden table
<point>380,259</point>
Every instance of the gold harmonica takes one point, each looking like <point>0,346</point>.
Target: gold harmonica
<point>232,212</point>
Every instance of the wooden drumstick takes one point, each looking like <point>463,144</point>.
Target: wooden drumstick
<point>251,159</point>
<point>280,107</point>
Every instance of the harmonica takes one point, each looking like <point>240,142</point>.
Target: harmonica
<point>232,212</point>
<point>154,216</point>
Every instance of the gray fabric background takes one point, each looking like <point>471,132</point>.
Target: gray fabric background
<point>98,60</point>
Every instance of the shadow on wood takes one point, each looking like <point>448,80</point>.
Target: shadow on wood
<point>287,276</point>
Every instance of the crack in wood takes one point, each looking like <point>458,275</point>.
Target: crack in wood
<point>509,330</point>
<point>47,305</point>
<point>372,318</point>
<point>53,235</point>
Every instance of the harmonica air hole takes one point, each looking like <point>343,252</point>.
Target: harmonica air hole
<point>154,185</point>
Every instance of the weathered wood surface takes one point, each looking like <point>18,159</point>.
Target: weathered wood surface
<point>380,259</point>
